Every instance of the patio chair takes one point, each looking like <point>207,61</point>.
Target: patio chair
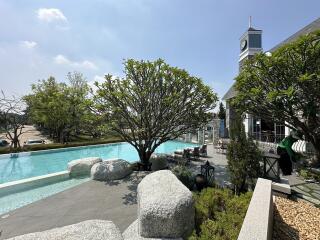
<point>178,152</point>
<point>203,150</point>
<point>196,153</point>
<point>186,157</point>
<point>222,146</point>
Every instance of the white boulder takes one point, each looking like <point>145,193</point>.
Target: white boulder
<point>110,170</point>
<point>159,162</point>
<point>92,229</point>
<point>165,207</point>
<point>131,233</point>
<point>82,166</point>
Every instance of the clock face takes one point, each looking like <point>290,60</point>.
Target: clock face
<point>243,44</point>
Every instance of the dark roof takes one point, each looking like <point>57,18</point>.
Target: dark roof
<point>253,29</point>
<point>315,25</point>
<point>232,92</point>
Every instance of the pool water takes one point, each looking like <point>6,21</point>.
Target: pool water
<point>51,161</point>
<point>19,199</point>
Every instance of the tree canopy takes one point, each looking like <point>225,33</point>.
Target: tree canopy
<point>57,107</point>
<point>284,87</point>
<point>222,111</point>
<point>154,103</point>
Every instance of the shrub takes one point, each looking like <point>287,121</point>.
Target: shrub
<point>243,159</point>
<point>59,145</point>
<point>308,174</point>
<point>219,214</point>
<point>184,175</point>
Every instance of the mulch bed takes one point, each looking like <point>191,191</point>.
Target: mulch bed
<point>295,220</point>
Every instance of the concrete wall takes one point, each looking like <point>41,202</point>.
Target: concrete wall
<point>258,222</point>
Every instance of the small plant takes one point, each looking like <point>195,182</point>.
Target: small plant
<point>307,174</point>
<point>219,214</point>
<point>184,175</point>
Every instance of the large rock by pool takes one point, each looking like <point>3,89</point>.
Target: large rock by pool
<point>165,207</point>
<point>91,229</point>
<point>113,169</point>
<point>82,166</point>
<point>159,162</point>
<point>132,233</point>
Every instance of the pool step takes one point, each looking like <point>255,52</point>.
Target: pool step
<point>25,184</point>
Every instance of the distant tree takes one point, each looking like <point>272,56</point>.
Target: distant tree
<point>57,107</point>
<point>12,118</point>
<point>243,158</point>
<point>284,87</point>
<point>79,103</point>
<point>154,103</point>
<point>222,111</point>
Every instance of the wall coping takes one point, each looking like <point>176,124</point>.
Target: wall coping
<point>258,222</point>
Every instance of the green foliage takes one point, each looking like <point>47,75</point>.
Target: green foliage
<point>285,87</point>
<point>219,214</point>
<point>61,109</point>
<point>243,158</point>
<point>184,175</point>
<point>307,174</point>
<point>222,111</point>
<point>154,103</point>
<point>59,145</point>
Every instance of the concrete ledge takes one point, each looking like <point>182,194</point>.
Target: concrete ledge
<point>25,184</point>
<point>282,187</point>
<point>258,222</point>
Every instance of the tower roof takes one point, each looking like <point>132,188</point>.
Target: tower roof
<point>253,29</point>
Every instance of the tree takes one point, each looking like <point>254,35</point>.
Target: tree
<point>243,158</point>
<point>222,111</point>
<point>153,104</point>
<point>285,87</point>
<point>57,107</point>
<point>12,118</point>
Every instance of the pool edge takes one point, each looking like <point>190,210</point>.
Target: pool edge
<point>28,183</point>
<point>26,153</point>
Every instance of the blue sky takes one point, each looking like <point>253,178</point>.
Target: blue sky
<point>39,39</point>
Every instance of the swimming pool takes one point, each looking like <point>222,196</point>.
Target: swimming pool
<point>32,164</point>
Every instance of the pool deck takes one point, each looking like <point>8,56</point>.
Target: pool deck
<point>115,201</point>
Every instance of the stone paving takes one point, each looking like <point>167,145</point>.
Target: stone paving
<point>306,190</point>
<point>219,161</point>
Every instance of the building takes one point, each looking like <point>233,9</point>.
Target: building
<point>251,44</point>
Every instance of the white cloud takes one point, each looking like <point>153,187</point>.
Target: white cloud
<point>51,14</point>
<point>63,60</point>
<point>99,79</point>
<point>28,44</point>
<point>60,59</point>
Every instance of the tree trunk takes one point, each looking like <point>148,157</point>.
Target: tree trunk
<point>144,159</point>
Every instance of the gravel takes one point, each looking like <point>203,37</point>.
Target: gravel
<point>295,220</point>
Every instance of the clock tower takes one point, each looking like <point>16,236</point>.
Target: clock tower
<point>250,44</point>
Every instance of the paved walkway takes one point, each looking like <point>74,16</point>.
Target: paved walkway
<point>305,190</point>
<point>219,161</point>
<point>115,201</point>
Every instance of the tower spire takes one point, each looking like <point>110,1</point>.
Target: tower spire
<point>250,22</point>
